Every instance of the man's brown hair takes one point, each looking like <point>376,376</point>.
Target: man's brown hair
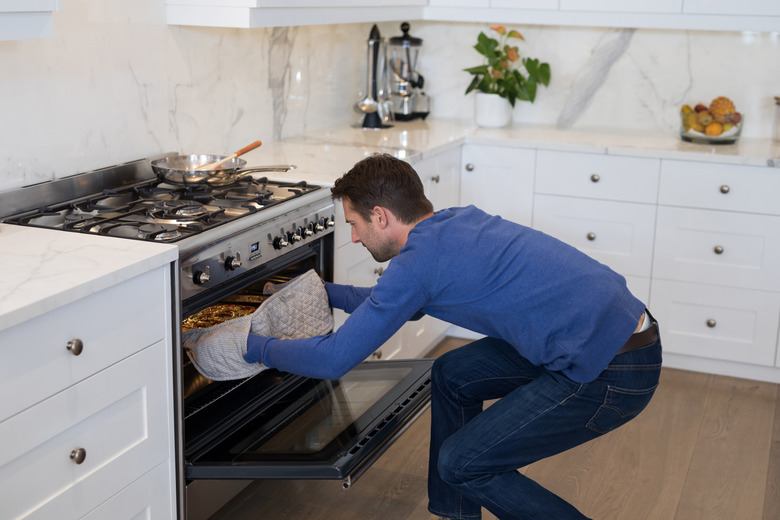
<point>383,180</point>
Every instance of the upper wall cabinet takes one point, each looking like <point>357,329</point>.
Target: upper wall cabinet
<point>719,15</point>
<point>279,13</point>
<point>26,19</point>
<point>723,15</point>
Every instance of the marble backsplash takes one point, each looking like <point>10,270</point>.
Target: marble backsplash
<point>116,83</point>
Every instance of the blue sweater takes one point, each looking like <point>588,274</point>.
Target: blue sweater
<point>558,307</point>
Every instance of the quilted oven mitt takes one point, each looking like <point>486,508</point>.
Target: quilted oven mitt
<point>300,309</point>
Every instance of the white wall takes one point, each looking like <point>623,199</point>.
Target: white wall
<point>116,83</point>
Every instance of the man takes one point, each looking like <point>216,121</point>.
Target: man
<point>569,352</point>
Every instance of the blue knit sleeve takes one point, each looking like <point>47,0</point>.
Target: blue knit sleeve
<point>346,297</point>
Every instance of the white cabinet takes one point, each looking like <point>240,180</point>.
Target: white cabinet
<point>280,13</point>
<point>25,19</point>
<point>499,180</point>
<point>714,322</point>
<point>716,284</point>
<point>602,205</point>
<point>88,404</point>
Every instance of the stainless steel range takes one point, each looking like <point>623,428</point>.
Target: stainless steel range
<point>232,241</point>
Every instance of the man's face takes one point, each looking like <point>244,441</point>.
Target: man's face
<point>370,234</point>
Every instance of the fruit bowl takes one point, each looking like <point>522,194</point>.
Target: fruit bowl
<point>718,123</point>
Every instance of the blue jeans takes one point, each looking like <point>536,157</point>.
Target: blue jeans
<point>475,454</point>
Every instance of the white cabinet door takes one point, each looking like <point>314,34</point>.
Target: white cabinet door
<point>37,362</point>
<point>749,189</point>
<point>717,322</point>
<point>143,499</point>
<point>597,176</point>
<point>499,180</point>
<point>119,417</point>
<point>440,176</point>
<point>624,6</point>
<point>718,247</point>
<point>618,234</point>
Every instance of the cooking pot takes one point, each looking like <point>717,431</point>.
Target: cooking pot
<point>181,169</point>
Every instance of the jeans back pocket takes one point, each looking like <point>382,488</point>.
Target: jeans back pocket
<point>620,406</point>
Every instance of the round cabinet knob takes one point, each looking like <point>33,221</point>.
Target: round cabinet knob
<point>78,455</point>
<point>436,179</point>
<point>725,189</point>
<point>469,167</point>
<point>379,270</point>
<point>591,236</point>
<point>75,346</point>
<point>232,263</point>
<point>280,242</point>
<point>711,323</point>
<point>718,250</point>
<point>377,354</point>
<point>595,177</point>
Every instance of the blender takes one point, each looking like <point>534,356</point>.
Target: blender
<point>409,100</point>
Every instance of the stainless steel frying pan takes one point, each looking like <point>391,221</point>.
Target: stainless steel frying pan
<point>182,169</point>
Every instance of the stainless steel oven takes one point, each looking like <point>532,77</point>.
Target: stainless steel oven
<point>233,240</point>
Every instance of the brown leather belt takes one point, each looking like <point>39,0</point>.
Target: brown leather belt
<point>641,339</point>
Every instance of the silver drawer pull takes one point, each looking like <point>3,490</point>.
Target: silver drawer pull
<point>595,177</point>
<point>379,270</point>
<point>718,250</point>
<point>436,179</point>
<point>591,236</point>
<point>75,346</point>
<point>377,354</point>
<point>711,323</point>
<point>469,167</point>
<point>725,189</point>
<point>78,455</point>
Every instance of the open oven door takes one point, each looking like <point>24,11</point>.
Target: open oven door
<point>283,426</point>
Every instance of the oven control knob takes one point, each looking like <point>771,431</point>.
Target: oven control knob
<point>303,232</point>
<point>316,227</point>
<point>293,237</point>
<point>280,242</point>
<point>232,263</point>
<point>201,277</point>
<point>325,223</point>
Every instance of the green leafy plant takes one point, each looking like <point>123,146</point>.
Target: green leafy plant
<point>500,74</point>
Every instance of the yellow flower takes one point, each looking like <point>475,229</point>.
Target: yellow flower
<point>500,29</point>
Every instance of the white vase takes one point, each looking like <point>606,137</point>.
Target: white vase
<point>492,111</point>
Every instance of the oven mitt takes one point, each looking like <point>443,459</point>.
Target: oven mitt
<point>298,310</point>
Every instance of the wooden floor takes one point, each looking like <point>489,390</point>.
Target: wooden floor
<point>706,448</point>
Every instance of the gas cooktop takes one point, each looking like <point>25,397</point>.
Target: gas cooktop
<point>149,209</point>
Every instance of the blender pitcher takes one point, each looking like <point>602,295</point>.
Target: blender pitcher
<point>409,101</point>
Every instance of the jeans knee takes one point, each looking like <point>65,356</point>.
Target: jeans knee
<point>450,465</point>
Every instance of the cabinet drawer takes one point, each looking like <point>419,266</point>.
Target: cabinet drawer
<point>597,176</point>
<point>499,180</point>
<point>111,324</point>
<point>752,189</point>
<point>618,234</point>
<point>120,417</point>
<point>149,497</point>
<point>717,322</point>
<point>718,247</point>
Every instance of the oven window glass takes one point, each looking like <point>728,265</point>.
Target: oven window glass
<point>316,420</point>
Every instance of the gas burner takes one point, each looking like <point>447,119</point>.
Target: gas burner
<point>158,231</point>
<point>177,210</point>
<point>77,220</point>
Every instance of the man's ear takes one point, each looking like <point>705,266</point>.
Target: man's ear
<point>381,216</point>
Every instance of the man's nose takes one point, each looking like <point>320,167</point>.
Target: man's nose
<point>355,237</point>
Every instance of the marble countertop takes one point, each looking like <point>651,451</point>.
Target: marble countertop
<point>325,155</point>
<point>45,269</point>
